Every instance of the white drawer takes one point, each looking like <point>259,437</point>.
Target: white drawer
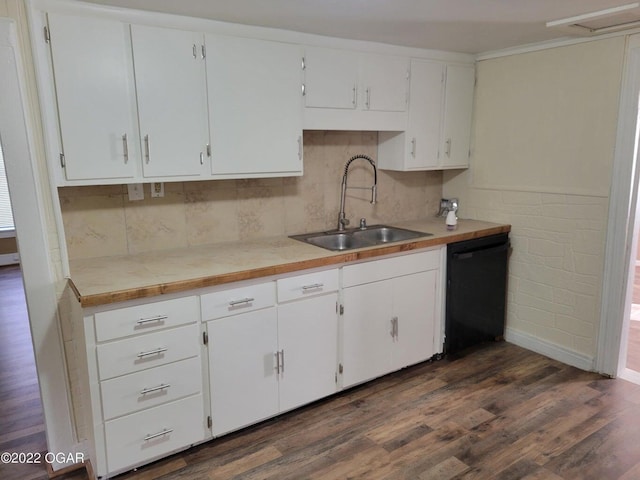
<point>146,351</point>
<point>376,270</point>
<point>307,285</point>
<point>149,317</point>
<point>237,300</point>
<point>152,387</point>
<point>125,437</point>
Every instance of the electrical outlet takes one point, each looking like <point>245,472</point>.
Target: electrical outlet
<point>157,189</point>
<point>136,192</point>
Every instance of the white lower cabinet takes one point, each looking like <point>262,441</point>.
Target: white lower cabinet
<point>145,381</point>
<point>153,432</point>
<point>391,310</point>
<point>242,369</point>
<point>273,359</point>
<point>252,350</point>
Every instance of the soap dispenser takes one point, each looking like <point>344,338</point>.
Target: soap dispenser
<point>452,220</point>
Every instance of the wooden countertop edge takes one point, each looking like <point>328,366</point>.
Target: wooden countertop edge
<point>351,256</point>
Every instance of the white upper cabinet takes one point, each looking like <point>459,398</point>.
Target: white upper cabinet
<point>172,100</point>
<point>385,80</point>
<point>456,124</point>
<point>439,121</point>
<point>96,98</point>
<point>255,106</point>
<point>331,78</point>
<point>132,100</point>
<point>350,90</point>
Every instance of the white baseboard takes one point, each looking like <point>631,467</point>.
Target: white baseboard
<point>551,350</point>
<point>9,259</point>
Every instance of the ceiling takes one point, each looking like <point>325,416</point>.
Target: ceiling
<point>469,26</point>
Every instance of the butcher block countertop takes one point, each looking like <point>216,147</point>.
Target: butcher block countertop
<point>106,280</point>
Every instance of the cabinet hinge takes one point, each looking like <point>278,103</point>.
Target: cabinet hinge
<point>47,35</point>
<point>205,338</point>
<point>209,422</point>
<point>341,309</point>
<point>340,369</point>
<point>62,161</point>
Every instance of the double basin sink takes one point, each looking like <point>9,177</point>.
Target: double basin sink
<point>359,237</point>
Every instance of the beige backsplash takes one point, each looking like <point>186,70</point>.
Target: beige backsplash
<point>100,220</point>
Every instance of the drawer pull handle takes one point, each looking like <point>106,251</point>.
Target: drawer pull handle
<point>162,386</point>
<point>312,286</point>
<point>152,352</point>
<point>151,436</point>
<point>157,318</point>
<point>234,303</point>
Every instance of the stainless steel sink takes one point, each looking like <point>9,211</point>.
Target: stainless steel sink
<point>359,238</point>
<point>382,234</point>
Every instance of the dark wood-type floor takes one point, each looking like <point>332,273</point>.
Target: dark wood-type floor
<point>500,412</point>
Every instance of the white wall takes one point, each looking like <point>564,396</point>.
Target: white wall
<point>35,226</point>
<point>543,146</point>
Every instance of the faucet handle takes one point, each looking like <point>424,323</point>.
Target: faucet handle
<point>363,223</point>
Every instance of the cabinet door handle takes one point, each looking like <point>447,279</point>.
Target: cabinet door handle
<point>300,147</point>
<point>354,100</point>
<point>282,361</point>
<point>195,51</point>
<point>157,351</point>
<point>304,90</point>
<point>313,286</point>
<point>394,327</point>
<point>201,158</point>
<point>277,368</point>
<point>125,146</point>
<point>157,318</point>
<point>447,151</point>
<point>413,147</point>
<point>162,386</point>
<point>242,301</point>
<point>151,436</point>
<point>368,100</point>
<point>147,148</point>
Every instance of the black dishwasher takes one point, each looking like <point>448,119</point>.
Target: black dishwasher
<point>476,291</point>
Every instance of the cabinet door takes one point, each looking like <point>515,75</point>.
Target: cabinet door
<point>172,101</point>
<point>255,105</point>
<point>425,108</point>
<point>331,78</point>
<point>308,339</point>
<point>96,97</point>
<point>244,384</point>
<point>366,332</point>
<point>458,103</point>
<point>414,298</point>
<point>384,82</point>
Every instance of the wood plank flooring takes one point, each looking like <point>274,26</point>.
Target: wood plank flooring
<point>498,412</point>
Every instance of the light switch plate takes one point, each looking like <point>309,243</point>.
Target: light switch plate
<point>136,192</point>
<point>157,189</point>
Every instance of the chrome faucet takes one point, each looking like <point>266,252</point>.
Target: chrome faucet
<point>342,219</point>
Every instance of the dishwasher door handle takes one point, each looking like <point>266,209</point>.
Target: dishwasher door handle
<point>482,252</point>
